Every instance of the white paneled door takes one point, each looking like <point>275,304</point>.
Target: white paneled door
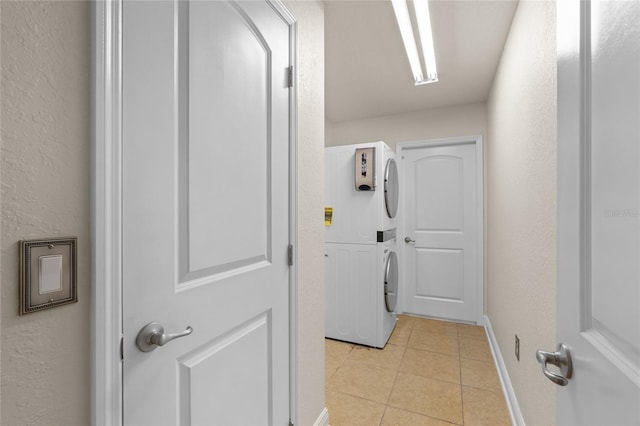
<point>205,213</point>
<point>440,212</point>
<point>598,214</point>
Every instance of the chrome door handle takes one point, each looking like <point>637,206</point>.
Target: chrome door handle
<point>409,240</point>
<point>152,335</point>
<point>561,359</point>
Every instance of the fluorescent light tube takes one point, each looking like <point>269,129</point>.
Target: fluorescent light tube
<point>426,38</point>
<point>406,31</point>
<point>423,17</point>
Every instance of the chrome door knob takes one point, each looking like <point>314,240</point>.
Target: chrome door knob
<point>409,240</point>
<point>561,359</point>
<point>152,335</point>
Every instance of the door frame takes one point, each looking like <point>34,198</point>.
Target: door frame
<point>106,211</point>
<point>430,143</point>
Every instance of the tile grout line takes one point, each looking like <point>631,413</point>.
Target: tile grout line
<point>439,380</point>
<point>406,345</point>
<point>341,364</point>
<point>425,415</point>
<point>460,373</point>
<point>412,329</point>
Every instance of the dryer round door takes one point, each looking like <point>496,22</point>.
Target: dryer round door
<point>391,281</point>
<point>391,188</point>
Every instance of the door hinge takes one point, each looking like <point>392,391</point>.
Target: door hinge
<point>290,76</point>
<point>290,255</point>
<point>121,348</point>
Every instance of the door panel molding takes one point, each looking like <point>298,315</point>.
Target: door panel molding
<point>106,210</point>
<point>404,147</point>
<point>222,350</point>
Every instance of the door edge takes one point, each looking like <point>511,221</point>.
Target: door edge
<point>106,195</point>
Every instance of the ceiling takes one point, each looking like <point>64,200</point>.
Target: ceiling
<point>367,73</point>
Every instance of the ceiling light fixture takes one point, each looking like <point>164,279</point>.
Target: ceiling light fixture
<point>423,17</point>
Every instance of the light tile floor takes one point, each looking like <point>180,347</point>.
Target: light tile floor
<point>430,373</point>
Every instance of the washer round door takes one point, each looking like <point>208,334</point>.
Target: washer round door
<point>391,282</point>
<point>391,188</point>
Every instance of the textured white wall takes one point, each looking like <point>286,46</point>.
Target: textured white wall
<point>521,173</point>
<point>310,17</point>
<point>460,120</point>
<point>45,193</point>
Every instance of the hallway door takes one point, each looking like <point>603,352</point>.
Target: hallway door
<point>441,215</point>
<point>599,211</point>
<point>205,213</point>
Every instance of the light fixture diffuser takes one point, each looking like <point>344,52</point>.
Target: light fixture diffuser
<point>406,31</point>
<point>423,18</point>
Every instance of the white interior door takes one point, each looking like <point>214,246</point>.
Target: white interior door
<point>206,212</point>
<point>440,215</point>
<point>599,210</point>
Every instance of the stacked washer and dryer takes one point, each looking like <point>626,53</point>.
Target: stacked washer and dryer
<point>361,195</point>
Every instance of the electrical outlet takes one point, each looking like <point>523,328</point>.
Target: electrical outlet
<point>517,348</point>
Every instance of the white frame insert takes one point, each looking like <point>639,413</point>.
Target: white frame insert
<point>106,207</point>
<point>463,140</point>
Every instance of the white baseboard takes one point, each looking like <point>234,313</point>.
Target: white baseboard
<point>507,388</point>
<point>323,418</point>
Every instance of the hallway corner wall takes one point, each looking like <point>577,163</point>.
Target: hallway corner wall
<point>45,367</point>
<point>521,192</point>
<point>458,120</point>
<point>310,18</point>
